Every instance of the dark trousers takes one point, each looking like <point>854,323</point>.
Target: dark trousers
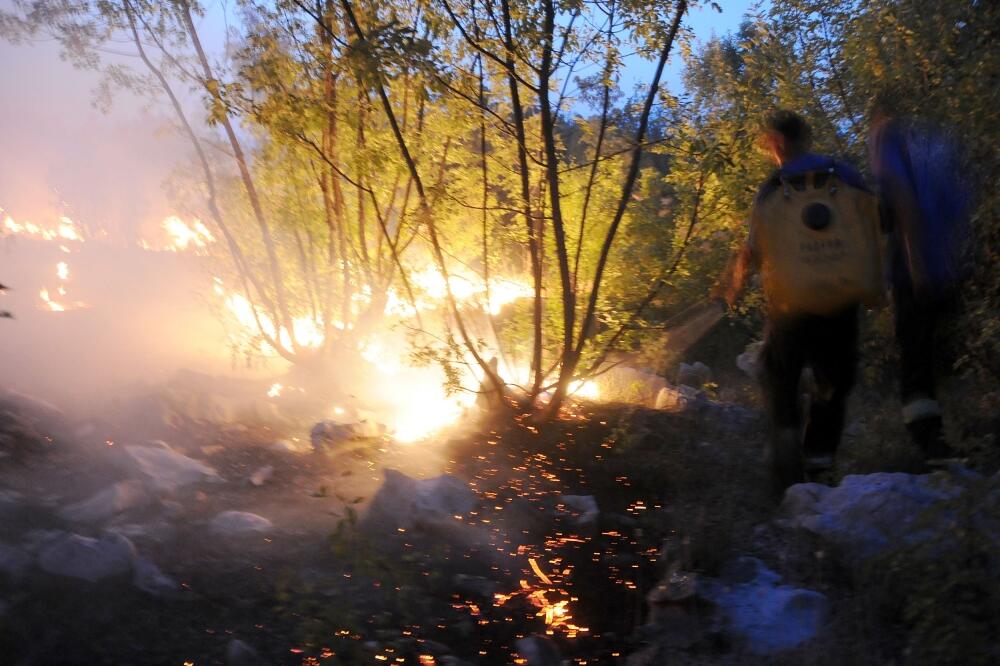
<point>827,345</point>
<point>916,321</point>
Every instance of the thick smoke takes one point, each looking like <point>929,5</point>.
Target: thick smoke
<point>147,313</point>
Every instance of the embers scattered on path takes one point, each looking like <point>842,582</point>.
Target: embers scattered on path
<point>565,539</point>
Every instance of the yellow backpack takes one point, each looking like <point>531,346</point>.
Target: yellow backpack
<point>819,244</point>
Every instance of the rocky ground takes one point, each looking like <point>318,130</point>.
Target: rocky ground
<point>617,535</point>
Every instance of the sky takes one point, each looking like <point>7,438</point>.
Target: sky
<point>705,23</point>
<point>60,155</point>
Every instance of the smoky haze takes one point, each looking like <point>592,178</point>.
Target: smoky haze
<point>147,313</point>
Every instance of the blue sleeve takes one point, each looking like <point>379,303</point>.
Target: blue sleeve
<point>850,175</point>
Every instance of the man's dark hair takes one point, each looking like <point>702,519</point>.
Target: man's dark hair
<point>797,133</point>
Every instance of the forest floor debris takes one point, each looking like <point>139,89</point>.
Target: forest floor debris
<point>569,541</point>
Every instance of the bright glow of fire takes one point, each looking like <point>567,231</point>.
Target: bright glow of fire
<point>66,229</point>
<point>183,235</point>
<point>467,288</point>
<point>275,390</point>
<point>421,405</point>
<point>49,303</point>
<point>585,389</point>
<point>426,411</point>
<point>307,332</point>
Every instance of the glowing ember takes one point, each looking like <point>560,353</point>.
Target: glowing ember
<point>62,270</point>
<point>275,390</point>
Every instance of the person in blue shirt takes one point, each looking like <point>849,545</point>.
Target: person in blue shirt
<point>795,341</point>
<point>925,201</point>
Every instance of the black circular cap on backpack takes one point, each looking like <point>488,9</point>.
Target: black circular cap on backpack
<point>816,216</point>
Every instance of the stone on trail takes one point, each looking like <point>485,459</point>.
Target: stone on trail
<point>159,531</point>
<point>262,475</point>
<point>583,506</point>
<point>147,577</point>
<point>169,470</point>
<point>289,446</point>
<point>118,498</point>
<point>480,586</point>
<point>405,502</point>
<point>765,614</point>
<point>695,375</point>
<point>676,398</point>
<point>538,651</point>
<point>866,513</point>
<point>751,360</point>
<point>239,653</point>
<point>77,556</point>
<point>452,660</point>
<point>327,434</point>
<point>14,562</point>
<point>239,522</point>
<point>677,586</point>
<point>36,408</point>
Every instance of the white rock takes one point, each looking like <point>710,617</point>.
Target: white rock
<point>262,475</point>
<point>14,562</point>
<point>160,531</point>
<point>585,506</point>
<point>10,496</point>
<point>147,577</point>
<point>767,615</point>
<point>167,469</point>
<point>676,398</point>
<point>538,651</point>
<point>118,498</point>
<point>327,434</point>
<point>202,407</point>
<point>751,360</point>
<point>695,375</point>
<point>405,502</point>
<point>239,653</point>
<point>36,407</point>
<point>289,446</point>
<point>866,513</point>
<point>35,540</point>
<point>89,559</point>
<point>239,522</point>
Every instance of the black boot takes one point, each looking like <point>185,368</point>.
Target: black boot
<point>928,434</point>
<point>786,459</point>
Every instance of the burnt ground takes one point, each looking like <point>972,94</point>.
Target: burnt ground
<point>683,490</point>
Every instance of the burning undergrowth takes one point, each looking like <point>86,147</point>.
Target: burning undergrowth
<point>99,317</point>
<point>547,533</point>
